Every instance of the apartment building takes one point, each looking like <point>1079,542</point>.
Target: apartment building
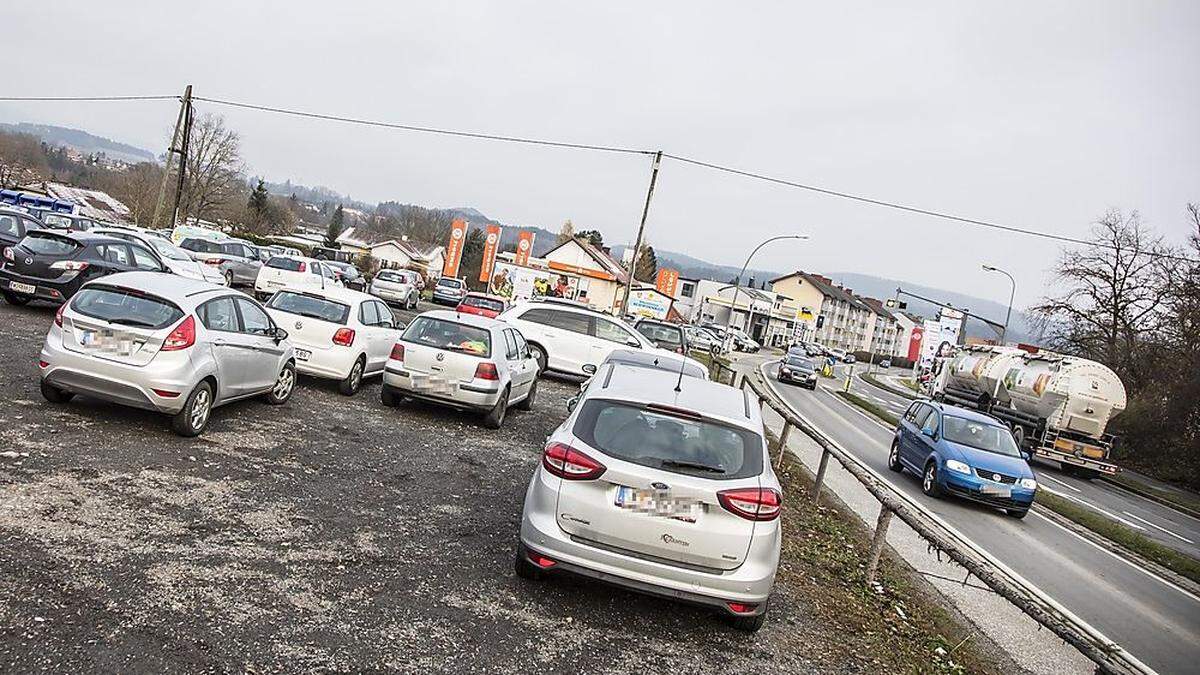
<point>840,319</point>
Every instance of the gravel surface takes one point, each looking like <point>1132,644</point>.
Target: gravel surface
<point>328,534</point>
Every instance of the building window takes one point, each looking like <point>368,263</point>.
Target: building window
<point>687,290</point>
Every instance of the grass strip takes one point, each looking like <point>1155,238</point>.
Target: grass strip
<point>1121,535</point>
<point>911,384</point>
<point>1185,500</point>
<point>868,406</point>
<point>871,379</point>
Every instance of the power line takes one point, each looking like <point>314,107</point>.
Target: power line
<point>428,130</point>
<point>166,97</point>
<point>914,209</point>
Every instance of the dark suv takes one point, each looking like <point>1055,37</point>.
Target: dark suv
<point>52,265</point>
<point>664,335</point>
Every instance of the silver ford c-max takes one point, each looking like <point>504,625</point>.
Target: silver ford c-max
<point>166,343</point>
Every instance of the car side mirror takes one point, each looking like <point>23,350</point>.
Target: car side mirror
<point>571,403</point>
<point>279,335</point>
<point>632,342</point>
<point>1026,455</point>
<point>589,368</point>
<point>929,432</point>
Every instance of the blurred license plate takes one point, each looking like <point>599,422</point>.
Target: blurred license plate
<point>433,385</point>
<point>22,288</point>
<point>107,342</point>
<point>656,503</point>
<point>303,354</point>
<point>996,490</point>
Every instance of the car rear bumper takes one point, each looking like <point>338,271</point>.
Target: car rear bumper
<point>750,583</point>
<point>468,396</point>
<point>54,290</point>
<point>119,383</point>
<point>391,294</point>
<point>326,363</point>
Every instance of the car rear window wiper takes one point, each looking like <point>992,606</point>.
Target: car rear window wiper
<point>682,464</point>
<point>133,322</point>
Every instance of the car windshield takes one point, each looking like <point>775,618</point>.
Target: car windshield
<point>799,362</point>
<point>124,307</point>
<point>979,435</point>
<point>311,306</point>
<point>450,335</point>
<point>48,244</point>
<point>659,333</point>
<point>166,249</point>
<point>664,439</point>
<point>56,220</point>
<point>483,303</point>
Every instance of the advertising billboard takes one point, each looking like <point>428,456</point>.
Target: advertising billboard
<point>648,303</point>
<point>524,283</point>
<point>524,248</point>
<point>666,281</point>
<point>454,249</point>
<point>490,245</point>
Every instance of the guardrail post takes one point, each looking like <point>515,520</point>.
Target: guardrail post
<point>783,438</point>
<point>877,542</point>
<point>820,476</point>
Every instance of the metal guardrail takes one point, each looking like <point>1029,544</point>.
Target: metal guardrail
<point>1108,656</point>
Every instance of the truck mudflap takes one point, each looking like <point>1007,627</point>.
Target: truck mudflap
<point>1077,458</point>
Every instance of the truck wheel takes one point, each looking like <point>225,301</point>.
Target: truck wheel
<point>1018,433</point>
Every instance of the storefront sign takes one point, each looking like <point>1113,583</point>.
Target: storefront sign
<point>666,280</point>
<point>490,245</point>
<point>458,233</point>
<point>524,248</point>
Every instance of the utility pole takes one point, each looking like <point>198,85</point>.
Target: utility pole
<point>637,244</point>
<point>184,107</point>
<point>183,151</point>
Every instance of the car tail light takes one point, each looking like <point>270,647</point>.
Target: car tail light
<point>397,352</point>
<point>487,371</point>
<point>344,337</point>
<point>182,337</point>
<point>69,265</point>
<point>215,262</point>
<point>43,364</point>
<point>58,315</point>
<point>303,266</point>
<point>752,503</point>
<point>165,393</point>
<point>9,254</point>
<point>566,462</point>
<point>741,607</point>
<point>541,561</point>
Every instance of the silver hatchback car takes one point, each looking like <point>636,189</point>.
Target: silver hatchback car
<point>660,484</point>
<point>166,343</point>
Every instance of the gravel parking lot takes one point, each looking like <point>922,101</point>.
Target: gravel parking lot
<point>327,534</point>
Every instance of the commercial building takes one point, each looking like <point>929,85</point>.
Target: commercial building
<point>574,270</point>
<point>766,316</point>
<point>840,319</point>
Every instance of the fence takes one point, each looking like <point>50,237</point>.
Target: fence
<point>1108,656</point>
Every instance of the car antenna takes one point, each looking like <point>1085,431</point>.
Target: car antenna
<point>679,383</point>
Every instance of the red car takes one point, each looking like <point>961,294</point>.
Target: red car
<point>481,304</point>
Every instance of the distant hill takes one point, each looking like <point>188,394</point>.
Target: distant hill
<point>82,141</point>
<point>694,268</point>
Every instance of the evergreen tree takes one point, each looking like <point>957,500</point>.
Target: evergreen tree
<point>258,204</point>
<point>647,265</point>
<point>336,225</point>
<point>593,237</point>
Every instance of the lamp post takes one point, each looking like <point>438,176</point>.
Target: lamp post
<point>737,286</point>
<point>1011,296</point>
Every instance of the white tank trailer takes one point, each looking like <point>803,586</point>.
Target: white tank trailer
<point>1057,406</point>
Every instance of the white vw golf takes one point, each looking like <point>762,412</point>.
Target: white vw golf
<point>338,333</point>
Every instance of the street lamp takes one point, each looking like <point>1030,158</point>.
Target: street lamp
<point>737,286</point>
<point>1013,294</point>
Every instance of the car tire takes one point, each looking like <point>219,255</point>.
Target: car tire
<point>749,624</point>
<point>284,385</point>
<point>494,418</point>
<point>353,381</point>
<point>388,397</point>
<point>527,402</point>
<point>55,395</point>
<point>229,278</point>
<point>197,410</point>
<point>929,484</point>
<point>539,355</point>
<point>1016,513</point>
<point>16,299</point>
<point>894,458</point>
<point>525,569</point>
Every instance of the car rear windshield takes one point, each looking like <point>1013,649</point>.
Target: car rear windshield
<point>48,244</point>
<point>201,245</point>
<point>289,264</point>
<point>485,303</point>
<point>660,333</point>
<point>449,335</point>
<point>310,306</point>
<point>55,220</point>
<point>394,277</point>
<point>128,308</point>
<point>665,439</point>
<point>449,283</point>
<point>979,435</point>
<point>797,362</point>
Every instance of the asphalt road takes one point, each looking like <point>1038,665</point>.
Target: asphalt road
<point>1156,621</point>
<point>330,534</point>
<point>1156,521</point>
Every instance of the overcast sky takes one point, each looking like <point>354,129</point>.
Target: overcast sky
<point>1040,115</point>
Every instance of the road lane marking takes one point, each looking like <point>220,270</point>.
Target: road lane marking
<point>1066,485</point>
<point>1163,529</point>
<point>1166,582</point>
<point>1094,508</point>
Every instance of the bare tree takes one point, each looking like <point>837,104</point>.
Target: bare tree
<point>567,232</point>
<point>137,188</point>
<point>1113,294</point>
<point>213,182</point>
<point>22,160</point>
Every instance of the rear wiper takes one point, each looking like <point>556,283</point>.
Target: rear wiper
<point>132,322</point>
<point>692,465</point>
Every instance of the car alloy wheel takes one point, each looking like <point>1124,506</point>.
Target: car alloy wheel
<point>929,484</point>
<point>284,385</point>
<point>894,458</point>
<point>229,279</point>
<point>201,408</point>
<point>353,381</point>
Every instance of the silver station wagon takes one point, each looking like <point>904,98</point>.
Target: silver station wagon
<point>166,343</point>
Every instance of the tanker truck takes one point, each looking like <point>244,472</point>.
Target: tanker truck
<point>1057,406</point>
